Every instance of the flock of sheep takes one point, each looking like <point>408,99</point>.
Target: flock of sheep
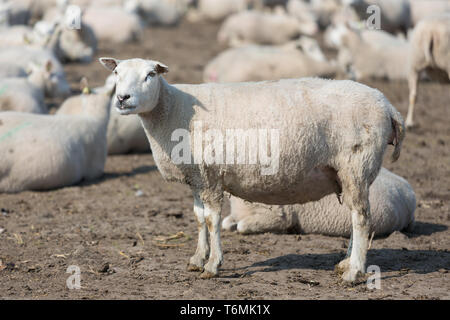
<point>349,124</point>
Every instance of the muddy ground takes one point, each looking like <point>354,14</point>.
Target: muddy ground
<point>121,242</point>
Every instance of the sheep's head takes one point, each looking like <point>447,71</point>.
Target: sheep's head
<point>138,84</point>
<point>44,76</point>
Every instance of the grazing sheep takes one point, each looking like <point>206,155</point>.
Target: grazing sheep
<point>328,137</point>
<point>124,135</point>
<point>301,58</point>
<point>258,27</point>
<point>392,202</point>
<point>370,54</point>
<point>41,152</point>
<point>22,57</point>
<point>27,94</point>
<point>430,51</point>
<point>395,14</point>
<point>104,22</point>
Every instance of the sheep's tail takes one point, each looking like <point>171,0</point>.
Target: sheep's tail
<point>398,134</point>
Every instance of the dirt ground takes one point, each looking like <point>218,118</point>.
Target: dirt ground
<point>121,242</point>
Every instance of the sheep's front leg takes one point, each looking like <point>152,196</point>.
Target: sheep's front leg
<point>212,216</point>
<point>412,83</point>
<point>201,254</point>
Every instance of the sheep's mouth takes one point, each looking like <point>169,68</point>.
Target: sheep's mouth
<point>125,107</point>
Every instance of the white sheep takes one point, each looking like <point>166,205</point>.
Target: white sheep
<point>421,9</point>
<point>158,12</point>
<point>15,12</point>
<point>124,135</point>
<point>113,24</point>
<point>304,12</point>
<point>41,152</point>
<point>301,58</point>
<point>392,202</point>
<point>370,53</point>
<point>328,137</point>
<point>252,26</point>
<point>430,51</point>
<point>22,57</point>
<point>216,10</point>
<point>27,94</point>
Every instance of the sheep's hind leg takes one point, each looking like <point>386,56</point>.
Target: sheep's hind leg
<point>357,198</point>
<point>212,216</point>
<point>201,254</point>
<point>412,83</point>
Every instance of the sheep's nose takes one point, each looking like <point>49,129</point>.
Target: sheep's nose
<point>123,98</point>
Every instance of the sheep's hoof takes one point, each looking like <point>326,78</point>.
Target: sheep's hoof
<point>342,266</point>
<point>208,275</point>
<point>194,268</point>
<point>352,276</point>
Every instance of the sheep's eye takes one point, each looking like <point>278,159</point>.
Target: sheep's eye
<point>151,74</point>
<point>115,72</point>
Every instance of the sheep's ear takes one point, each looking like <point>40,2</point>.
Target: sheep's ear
<point>109,63</point>
<point>161,68</point>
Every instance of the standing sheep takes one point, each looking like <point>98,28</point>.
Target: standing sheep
<point>41,152</point>
<point>430,51</point>
<point>392,203</point>
<point>328,137</point>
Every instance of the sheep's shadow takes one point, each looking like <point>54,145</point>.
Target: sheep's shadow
<point>425,229</point>
<point>417,261</point>
<point>115,175</point>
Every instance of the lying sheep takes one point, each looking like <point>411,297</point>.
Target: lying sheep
<point>370,54</point>
<point>430,51</point>
<point>41,152</point>
<point>392,203</point>
<point>216,10</point>
<point>27,94</point>
<point>249,27</point>
<point>104,22</point>
<point>22,57</point>
<point>328,137</point>
<point>124,135</point>
<point>15,12</point>
<point>158,12</point>
<point>256,63</point>
<point>395,15</point>
<point>304,12</point>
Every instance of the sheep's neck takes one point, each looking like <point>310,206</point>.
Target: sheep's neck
<point>159,124</point>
